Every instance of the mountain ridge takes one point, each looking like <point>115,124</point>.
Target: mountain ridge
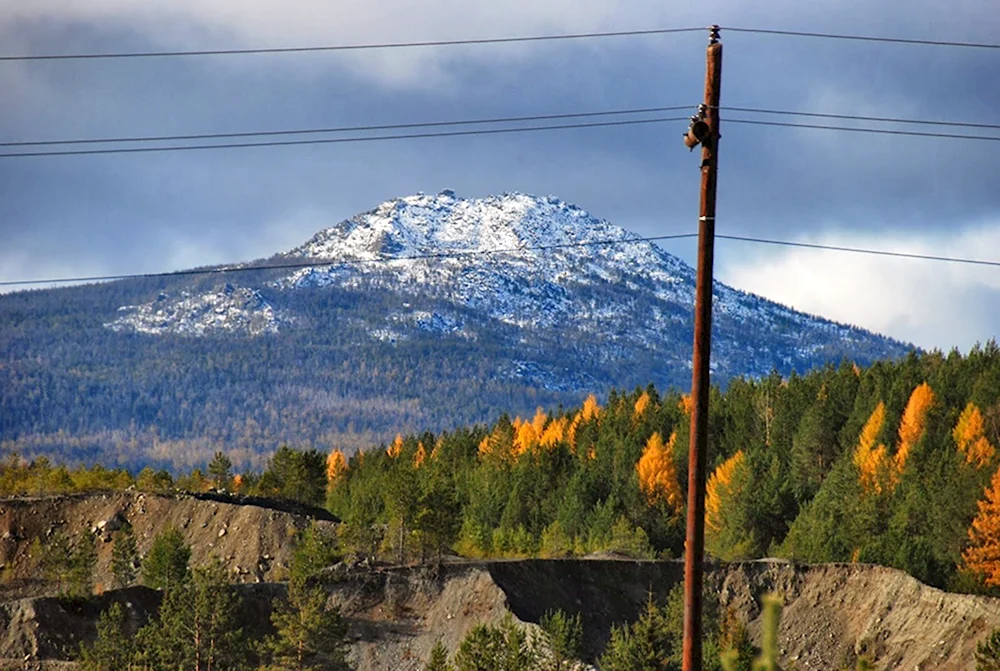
<point>441,310</point>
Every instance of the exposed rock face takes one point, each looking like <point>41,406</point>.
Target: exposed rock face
<point>252,541</point>
<point>832,614</point>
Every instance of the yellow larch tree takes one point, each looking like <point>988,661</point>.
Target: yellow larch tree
<point>970,437</point>
<point>554,433</point>
<point>538,421</point>
<point>720,486</point>
<point>641,405</point>
<point>871,460</point>
<point>525,437</point>
<point>658,474</point>
<point>336,468</point>
<point>983,554</point>
<point>396,447</point>
<point>420,456</point>
<point>686,404</point>
<point>912,426</point>
<point>590,410</point>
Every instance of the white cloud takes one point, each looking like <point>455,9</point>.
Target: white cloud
<point>932,304</point>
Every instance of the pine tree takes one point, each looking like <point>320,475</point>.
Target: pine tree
<point>56,559</point>
<point>166,563</point>
<point>125,557</point>
<point>983,554</point>
<point>81,570</point>
<point>988,652</point>
<point>197,625</point>
<point>439,658</point>
<point>308,635</point>
<point>112,650</point>
<point>219,470</point>
<point>563,635</point>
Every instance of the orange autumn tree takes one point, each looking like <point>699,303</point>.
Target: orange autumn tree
<point>871,461</point>
<point>641,405</point>
<point>983,554</point>
<point>720,486</point>
<point>658,474</point>
<point>336,467</point>
<point>970,437</point>
<point>912,426</point>
<point>420,456</point>
<point>396,447</point>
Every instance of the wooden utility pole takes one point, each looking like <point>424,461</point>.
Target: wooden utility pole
<point>704,130</point>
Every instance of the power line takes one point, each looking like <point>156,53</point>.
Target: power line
<point>849,129</point>
<point>856,117</point>
<point>485,131</point>
<point>860,250</point>
<point>350,262</point>
<point>338,140</point>
<point>346,129</point>
<point>494,120</point>
<point>862,38</point>
<point>351,47</point>
<point>488,252</point>
<point>483,41</point>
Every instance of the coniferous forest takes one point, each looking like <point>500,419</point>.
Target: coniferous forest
<point>892,464</point>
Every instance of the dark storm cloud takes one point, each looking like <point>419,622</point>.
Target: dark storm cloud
<point>155,211</point>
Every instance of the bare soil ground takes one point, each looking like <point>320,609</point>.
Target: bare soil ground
<point>832,614</point>
<point>252,541</point>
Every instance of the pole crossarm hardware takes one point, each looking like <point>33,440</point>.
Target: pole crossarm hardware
<point>704,130</point>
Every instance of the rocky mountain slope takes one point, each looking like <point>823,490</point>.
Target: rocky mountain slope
<point>428,312</point>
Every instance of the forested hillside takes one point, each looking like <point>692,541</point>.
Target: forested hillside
<point>428,312</point>
<point>884,464</point>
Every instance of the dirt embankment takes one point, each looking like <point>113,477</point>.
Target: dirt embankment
<point>252,541</point>
<point>832,612</point>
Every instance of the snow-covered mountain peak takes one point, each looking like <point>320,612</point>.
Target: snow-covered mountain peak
<point>535,274</point>
<point>441,223</point>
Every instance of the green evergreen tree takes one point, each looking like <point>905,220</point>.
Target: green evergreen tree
<point>113,648</point>
<point>82,564</point>
<point>219,470</point>
<point>125,557</point>
<point>55,559</point>
<point>314,550</point>
<point>439,658</point>
<point>197,625</point>
<point>502,648</point>
<point>166,564</point>
<point>563,635</point>
<point>308,635</point>
<point>988,652</point>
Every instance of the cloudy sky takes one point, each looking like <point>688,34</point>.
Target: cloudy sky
<point>125,213</point>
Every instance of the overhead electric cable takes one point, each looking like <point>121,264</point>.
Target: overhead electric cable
<point>860,250</point>
<point>319,263</point>
<point>316,263</point>
<point>351,47</point>
<point>849,129</point>
<point>857,117</point>
<point>862,38</point>
<point>346,129</point>
<point>337,140</point>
